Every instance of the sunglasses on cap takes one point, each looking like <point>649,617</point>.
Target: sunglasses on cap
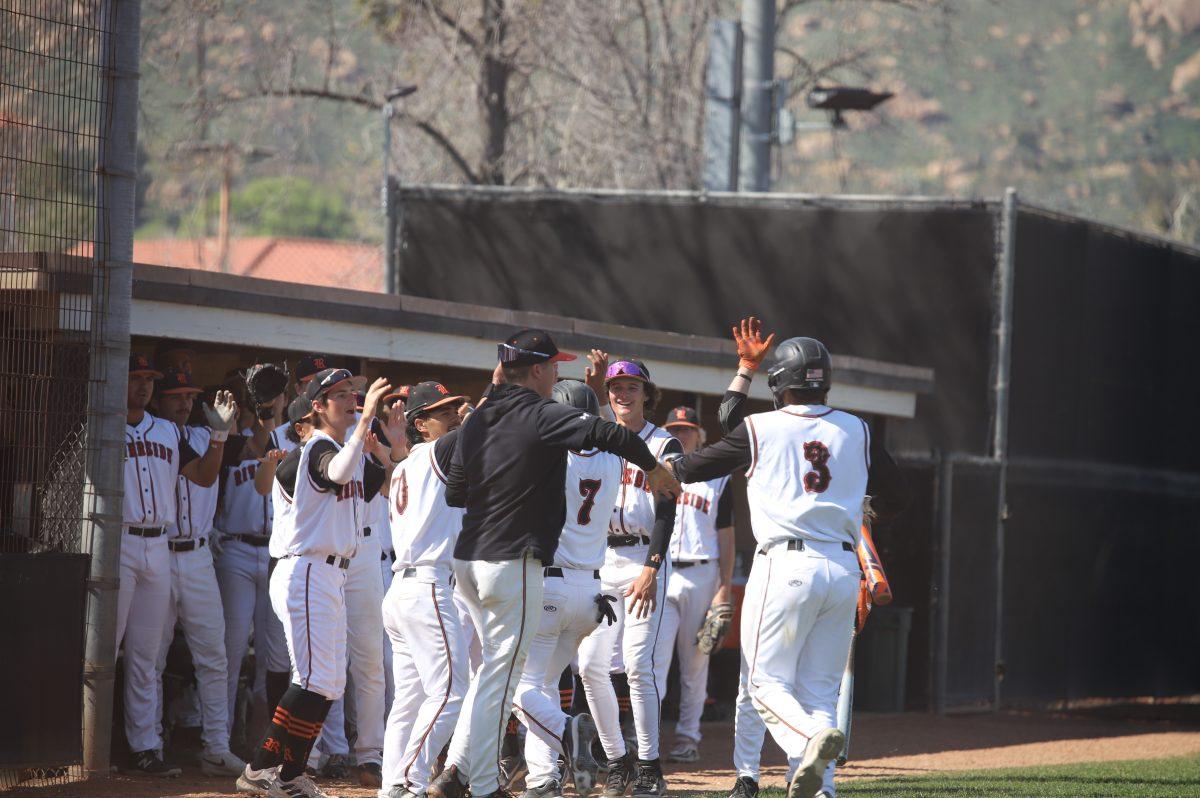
<point>507,353</point>
<point>317,388</point>
<point>626,368</point>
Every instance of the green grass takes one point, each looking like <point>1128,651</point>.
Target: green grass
<point>1157,778</point>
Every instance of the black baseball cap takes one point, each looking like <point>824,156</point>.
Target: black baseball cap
<point>426,396</point>
<point>683,417</point>
<point>140,364</point>
<point>168,345</point>
<point>176,381</point>
<point>309,366</point>
<point>323,381</point>
<point>530,347</point>
<point>299,409</point>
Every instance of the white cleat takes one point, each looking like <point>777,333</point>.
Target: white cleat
<point>824,746</point>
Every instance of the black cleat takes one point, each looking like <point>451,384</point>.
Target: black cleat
<point>448,784</point>
<point>649,782</point>
<point>147,763</point>
<point>621,773</point>
<point>744,787</point>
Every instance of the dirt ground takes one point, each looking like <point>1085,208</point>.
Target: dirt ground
<point>881,745</point>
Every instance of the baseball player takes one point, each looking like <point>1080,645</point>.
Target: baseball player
<point>508,470</point>
<point>243,563</point>
<point>195,597</point>
<point>572,607</point>
<point>636,565</point>
<point>702,554</point>
<point>156,455</point>
<point>319,493</point>
<point>425,631</point>
<point>808,468</point>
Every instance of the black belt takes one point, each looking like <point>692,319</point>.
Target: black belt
<point>253,540</point>
<point>798,545</point>
<point>185,545</point>
<point>620,541</point>
<point>366,531</point>
<point>146,531</point>
<point>554,570</point>
<point>687,563</point>
<point>384,556</point>
<point>340,562</point>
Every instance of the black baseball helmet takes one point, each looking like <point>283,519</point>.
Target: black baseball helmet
<point>801,364</point>
<point>576,394</point>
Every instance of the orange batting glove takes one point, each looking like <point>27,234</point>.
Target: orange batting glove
<point>751,347</point>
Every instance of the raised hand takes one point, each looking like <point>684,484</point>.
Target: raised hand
<point>375,394</point>
<point>751,347</point>
<point>593,375</point>
<point>221,415</point>
<point>273,457</point>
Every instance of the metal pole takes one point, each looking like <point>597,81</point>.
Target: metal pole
<point>389,229</point>
<point>111,300</point>
<point>758,70</point>
<point>1002,380</point>
<point>941,631</point>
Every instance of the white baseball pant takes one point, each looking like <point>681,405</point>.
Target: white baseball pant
<point>196,603</point>
<point>797,623</point>
<point>308,595</point>
<point>638,642</point>
<point>389,686</point>
<point>568,616</point>
<point>505,598</point>
<point>142,599</point>
<point>430,671</point>
<point>365,636</point>
<point>242,575</point>
<point>690,592</point>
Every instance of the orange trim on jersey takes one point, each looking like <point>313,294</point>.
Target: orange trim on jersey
<point>437,472</point>
<point>806,415</point>
<point>753,447</point>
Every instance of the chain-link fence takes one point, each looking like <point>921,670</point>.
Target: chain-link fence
<point>55,115</point>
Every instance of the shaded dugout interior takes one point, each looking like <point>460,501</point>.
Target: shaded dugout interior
<point>1068,589</point>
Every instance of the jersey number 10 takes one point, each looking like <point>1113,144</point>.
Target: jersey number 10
<point>588,488</point>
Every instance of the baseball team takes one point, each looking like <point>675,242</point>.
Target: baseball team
<point>427,571</point>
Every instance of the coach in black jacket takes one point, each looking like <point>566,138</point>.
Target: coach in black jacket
<point>509,472</point>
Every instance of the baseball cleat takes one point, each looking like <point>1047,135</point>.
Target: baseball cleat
<point>577,745</point>
<point>398,791</point>
<point>448,784</point>
<point>336,767</point>
<point>820,751</point>
<point>255,782</point>
<point>620,775</point>
<point>148,763</point>
<point>685,752</point>
<point>744,787</point>
<point>649,782</point>
<point>221,764</point>
<point>299,787</point>
<point>551,789</point>
<point>370,774</point>
<point>512,769</point>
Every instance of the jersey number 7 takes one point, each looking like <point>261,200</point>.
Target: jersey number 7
<point>588,488</point>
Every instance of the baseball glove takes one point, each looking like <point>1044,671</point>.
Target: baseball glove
<point>264,382</point>
<point>716,625</point>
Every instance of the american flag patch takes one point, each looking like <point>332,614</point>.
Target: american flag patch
<point>814,374</point>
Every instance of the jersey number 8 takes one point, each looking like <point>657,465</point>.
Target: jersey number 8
<point>817,480</point>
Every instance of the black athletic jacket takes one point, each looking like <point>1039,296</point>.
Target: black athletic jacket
<point>509,470</point>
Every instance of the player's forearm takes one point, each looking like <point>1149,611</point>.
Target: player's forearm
<point>204,471</point>
<point>732,410</point>
<point>264,475</point>
<point>725,556</point>
<point>341,467</point>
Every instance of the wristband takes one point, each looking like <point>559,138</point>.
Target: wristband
<point>748,373</point>
<point>218,436</point>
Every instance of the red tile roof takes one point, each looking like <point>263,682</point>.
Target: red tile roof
<point>313,261</point>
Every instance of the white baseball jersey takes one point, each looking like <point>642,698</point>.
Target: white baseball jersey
<point>634,511</point>
<point>807,474</point>
<point>593,482</point>
<point>695,535</point>
<point>154,453</point>
<point>424,527</point>
<point>313,521</point>
<point>195,506</point>
<point>243,510</point>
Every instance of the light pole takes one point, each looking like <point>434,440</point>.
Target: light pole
<point>391,277</point>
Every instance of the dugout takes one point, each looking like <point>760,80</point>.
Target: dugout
<point>1046,501</point>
